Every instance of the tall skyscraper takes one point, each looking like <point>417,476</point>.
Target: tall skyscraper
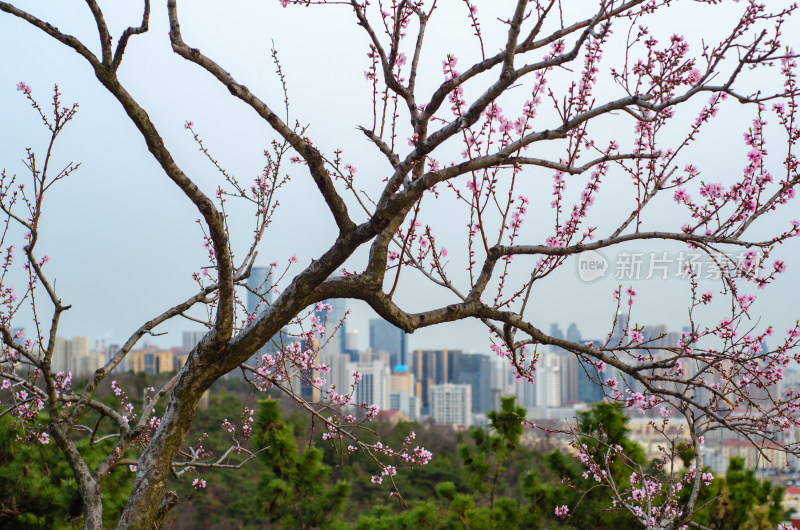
<point>450,404</point>
<point>618,333</point>
<point>67,352</point>
<point>573,334</point>
<point>259,298</point>
<point>334,323</point>
<point>111,352</point>
<point>338,375</point>
<point>405,402</point>
<point>351,344</point>
<point>502,381</point>
<point>259,295</point>
<point>548,380</point>
<point>401,394</point>
<point>402,381</point>
<point>589,380</point>
<point>351,339</point>
<point>473,369</point>
<point>373,389</point>
<point>191,339</point>
<point>332,344</point>
<point>525,391</point>
<point>433,367</point>
<point>385,336</point>
<point>571,373</point>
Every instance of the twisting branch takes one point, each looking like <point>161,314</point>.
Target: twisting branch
<point>302,146</point>
<point>128,33</point>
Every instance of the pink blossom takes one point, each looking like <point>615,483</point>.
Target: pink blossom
<point>694,76</point>
<point>631,295</point>
<point>24,88</point>
<point>601,366</point>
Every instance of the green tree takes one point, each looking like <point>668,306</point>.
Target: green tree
<point>294,489</point>
<point>758,518</point>
<point>37,488</point>
<point>484,460</point>
<point>603,425</point>
<point>742,500</point>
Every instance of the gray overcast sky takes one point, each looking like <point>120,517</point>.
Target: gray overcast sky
<point>122,239</point>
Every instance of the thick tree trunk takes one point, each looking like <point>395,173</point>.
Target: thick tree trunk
<point>92,509</point>
<point>88,493</point>
<point>142,508</point>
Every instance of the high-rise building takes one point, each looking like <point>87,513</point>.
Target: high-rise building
<point>351,339</point>
<point>570,376</point>
<point>338,375</point>
<point>302,385</point>
<point>385,336</point>
<point>548,380</point>
<point>405,402</point>
<point>154,361</point>
<point>451,404</point>
<point>87,363</point>
<point>331,344</point>
<point>191,339</point>
<point>573,334</point>
<point>333,340</point>
<point>556,332</point>
<point>618,333</point>
<point>351,344</point>
<point>503,383</point>
<point>259,294</point>
<point>259,298</point>
<point>370,356</point>
<point>66,354</point>
<point>432,367</point>
<point>402,381</point>
<point>473,369</point>
<point>525,392</point>
<point>373,389</point>
<point>111,352</point>
<point>590,380</point>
